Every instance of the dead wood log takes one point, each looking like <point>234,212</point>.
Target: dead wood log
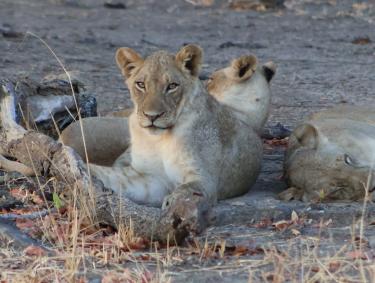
<point>11,236</point>
<point>49,158</point>
<point>49,106</point>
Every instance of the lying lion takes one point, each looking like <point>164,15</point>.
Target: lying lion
<point>243,86</point>
<point>331,156</point>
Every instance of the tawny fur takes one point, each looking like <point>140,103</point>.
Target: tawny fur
<point>331,156</point>
<point>243,86</point>
<point>181,139</point>
<point>106,138</point>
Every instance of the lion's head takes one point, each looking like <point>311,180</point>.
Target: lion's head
<point>160,84</point>
<point>242,73</point>
<point>244,86</point>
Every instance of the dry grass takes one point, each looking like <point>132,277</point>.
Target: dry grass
<point>81,250</point>
<point>301,261</point>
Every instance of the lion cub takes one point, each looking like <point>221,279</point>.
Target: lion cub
<point>182,139</point>
<point>243,86</point>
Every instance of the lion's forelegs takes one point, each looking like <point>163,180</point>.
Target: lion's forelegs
<point>190,205</point>
<point>126,181</point>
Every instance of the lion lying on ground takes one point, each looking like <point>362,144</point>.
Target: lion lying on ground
<point>243,86</point>
<point>331,156</point>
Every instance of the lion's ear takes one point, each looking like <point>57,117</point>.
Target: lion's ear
<point>127,59</point>
<point>243,67</point>
<point>190,58</point>
<point>307,135</point>
<point>269,70</point>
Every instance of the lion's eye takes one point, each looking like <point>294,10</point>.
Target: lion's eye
<point>172,86</point>
<point>140,85</point>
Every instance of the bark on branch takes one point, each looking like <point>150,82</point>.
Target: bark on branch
<point>50,158</point>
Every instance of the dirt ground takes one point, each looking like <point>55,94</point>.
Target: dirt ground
<point>325,53</point>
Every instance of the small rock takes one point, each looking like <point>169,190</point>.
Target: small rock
<point>277,131</point>
<point>12,34</point>
<point>7,32</point>
<point>244,45</point>
<point>227,45</point>
<point>114,5</point>
<point>238,203</point>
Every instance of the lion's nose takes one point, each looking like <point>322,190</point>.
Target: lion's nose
<point>152,116</point>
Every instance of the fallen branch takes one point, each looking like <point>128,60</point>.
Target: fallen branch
<point>31,216</point>
<point>47,157</point>
<point>10,235</point>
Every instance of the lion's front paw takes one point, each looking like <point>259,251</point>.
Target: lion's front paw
<point>187,210</point>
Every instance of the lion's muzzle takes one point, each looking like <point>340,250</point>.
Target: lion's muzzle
<point>152,116</point>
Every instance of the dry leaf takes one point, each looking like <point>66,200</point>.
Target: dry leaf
<point>357,255</point>
<point>295,232</point>
<point>18,193</point>
<point>111,278</point>
<point>243,5</point>
<point>203,3</point>
<point>34,251</point>
<point>37,199</point>
<point>281,225</point>
<point>82,280</point>
<point>264,223</point>
<point>334,266</point>
<point>240,250</point>
<point>360,6</point>
<point>138,244</point>
<point>328,222</point>
<point>361,40</point>
<point>277,142</point>
<point>145,257</point>
<point>24,210</point>
<point>294,217</point>
<point>24,223</point>
<point>256,251</point>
